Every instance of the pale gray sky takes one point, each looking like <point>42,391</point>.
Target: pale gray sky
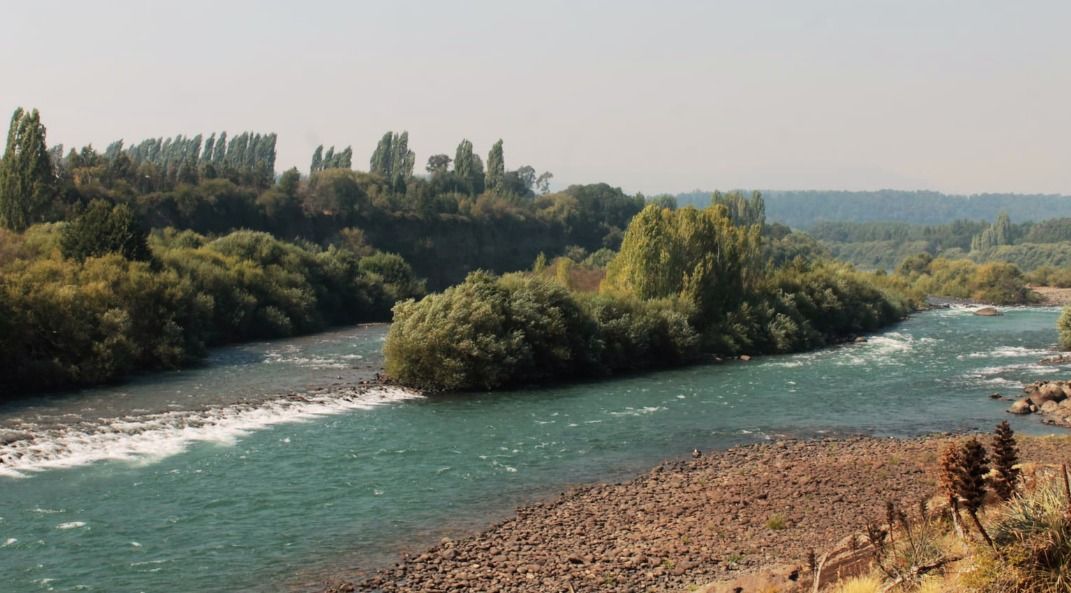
<point>967,96</point>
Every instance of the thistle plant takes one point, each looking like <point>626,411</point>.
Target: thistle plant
<point>1005,459</point>
<point>970,482</point>
<point>949,468</point>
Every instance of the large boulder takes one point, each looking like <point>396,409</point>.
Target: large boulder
<point>1048,392</point>
<point>988,312</point>
<point>1021,406</point>
<point>1049,407</point>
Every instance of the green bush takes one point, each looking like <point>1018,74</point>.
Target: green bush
<point>1064,326</point>
<point>490,332</point>
<point>94,319</point>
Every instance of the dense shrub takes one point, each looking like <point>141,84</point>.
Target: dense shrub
<point>70,322</point>
<point>490,332</point>
<point>997,283</point>
<point>1063,324</point>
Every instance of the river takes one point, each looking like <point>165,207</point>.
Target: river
<point>213,480</point>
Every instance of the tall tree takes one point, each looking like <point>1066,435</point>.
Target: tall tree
<point>393,160</point>
<point>317,163</point>
<point>380,163</point>
<point>26,175</point>
<point>496,166</point>
<point>402,160</point>
<point>468,167</point>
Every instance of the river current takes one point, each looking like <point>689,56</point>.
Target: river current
<point>262,470</point>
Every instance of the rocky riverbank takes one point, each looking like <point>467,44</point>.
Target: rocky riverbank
<point>686,523</point>
<point>1050,399</point>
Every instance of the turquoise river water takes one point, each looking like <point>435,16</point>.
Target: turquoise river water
<point>214,480</point>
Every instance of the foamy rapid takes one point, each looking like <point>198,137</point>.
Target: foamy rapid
<point>156,436</point>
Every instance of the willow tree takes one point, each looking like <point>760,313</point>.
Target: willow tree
<point>26,175</point>
<point>698,256</point>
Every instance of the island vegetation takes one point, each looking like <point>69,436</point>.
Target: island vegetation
<point>686,283</point>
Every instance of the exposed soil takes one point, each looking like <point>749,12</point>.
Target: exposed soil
<point>1053,296</point>
<point>688,522</point>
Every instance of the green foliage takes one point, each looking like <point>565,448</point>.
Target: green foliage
<point>496,167</point>
<point>26,177</point>
<point>95,318</point>
<point>685,281</point>
<point>490,332</point>
<point>1063,324</point>
<point>1050,276</point>
<point>392,159</point>
<point>805,209</point>
<point>999,233</point>
<point>1033,540</point>
<point>998,283</point>
<point>105,229</point>
<point>743,211</point>
<point>699,256</point>
<point>469,168</point>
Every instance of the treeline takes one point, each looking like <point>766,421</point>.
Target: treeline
<point>71,314</point>
<point>804,209</point>
<point>1041,246</point>
<point>462,215</point>
<point>87,294</point>
<point>685,284</point>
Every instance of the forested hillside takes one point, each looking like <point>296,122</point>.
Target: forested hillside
<point>804,209</point>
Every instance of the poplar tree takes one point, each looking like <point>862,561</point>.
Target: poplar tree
<point>496,166</point>
<point>381,157</point>
<point>26,174</point>
<point>317,160</point>
<point>468,167</point>
<point>402,160</point>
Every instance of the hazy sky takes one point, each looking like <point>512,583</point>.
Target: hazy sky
<point>966,96</point>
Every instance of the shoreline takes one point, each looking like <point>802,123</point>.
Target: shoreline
<point>687,522</point>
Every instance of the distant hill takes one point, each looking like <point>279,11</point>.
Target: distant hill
<point>803,209</point>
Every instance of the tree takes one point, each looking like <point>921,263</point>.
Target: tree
<point>105,229</point>
<point>527,177</point>
<point>696,255</point>
<point>438,164</point>
<point>380,163</point>
<point>496,166</point>
<point>26,175</point>
<point>469,168</point>
<point>543,182</point>
<point>393,160</point>
<point>402,160</point>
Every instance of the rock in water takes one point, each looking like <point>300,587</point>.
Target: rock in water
<point>988,312</point>
<point>1021,406</point>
